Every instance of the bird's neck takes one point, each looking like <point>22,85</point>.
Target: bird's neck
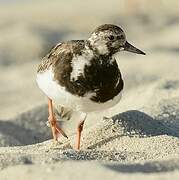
<point>104,59</point>
<point>100,51</point>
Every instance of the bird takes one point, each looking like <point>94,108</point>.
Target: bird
<point>83,75</point>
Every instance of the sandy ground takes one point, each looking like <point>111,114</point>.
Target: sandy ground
<point>136,139</point>
<point>130,145</point>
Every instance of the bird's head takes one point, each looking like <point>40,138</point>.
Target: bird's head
<point>109,39</point>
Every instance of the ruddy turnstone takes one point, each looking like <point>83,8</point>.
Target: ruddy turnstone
<point>83,75</point>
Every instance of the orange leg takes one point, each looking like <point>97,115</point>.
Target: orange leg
<point>79,130</point>
<point>53,122</point>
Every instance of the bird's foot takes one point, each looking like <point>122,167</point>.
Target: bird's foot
<point>56,130</point>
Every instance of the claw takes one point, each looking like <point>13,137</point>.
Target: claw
<point>60,131</point>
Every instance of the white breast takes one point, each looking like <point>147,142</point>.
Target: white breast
<point>60,96</point>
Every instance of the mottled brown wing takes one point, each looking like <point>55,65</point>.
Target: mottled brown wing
<point>55,53</point>
<point>62,53</point>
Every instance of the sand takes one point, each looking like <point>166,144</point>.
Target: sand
<point>134,143</point>
<point>136,139</point>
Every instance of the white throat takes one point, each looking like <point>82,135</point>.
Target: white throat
<point>99,45</point>
<point>102,48</point>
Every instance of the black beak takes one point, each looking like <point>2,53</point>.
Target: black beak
<point>131,48</point>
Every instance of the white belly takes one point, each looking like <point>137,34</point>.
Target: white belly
<point>60,96</point>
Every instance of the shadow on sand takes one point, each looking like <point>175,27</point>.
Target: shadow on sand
<point>134,122</point>
<point>144,125</point>
<point>27,128</point>
<point>148,167</point>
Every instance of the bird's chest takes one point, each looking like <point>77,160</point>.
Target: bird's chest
<point>96,76</point>
<point>101,73</point>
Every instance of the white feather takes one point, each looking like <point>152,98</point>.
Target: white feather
<point>102,47</point>
<point>79,62</point>
<point>100,44</point>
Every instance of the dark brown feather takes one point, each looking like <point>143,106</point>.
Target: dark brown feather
<point>99,78</point>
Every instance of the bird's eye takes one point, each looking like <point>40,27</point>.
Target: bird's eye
<point>120,37</point>
<point>111,37</point>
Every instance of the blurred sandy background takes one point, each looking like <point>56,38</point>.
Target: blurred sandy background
<point>29,28</point>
